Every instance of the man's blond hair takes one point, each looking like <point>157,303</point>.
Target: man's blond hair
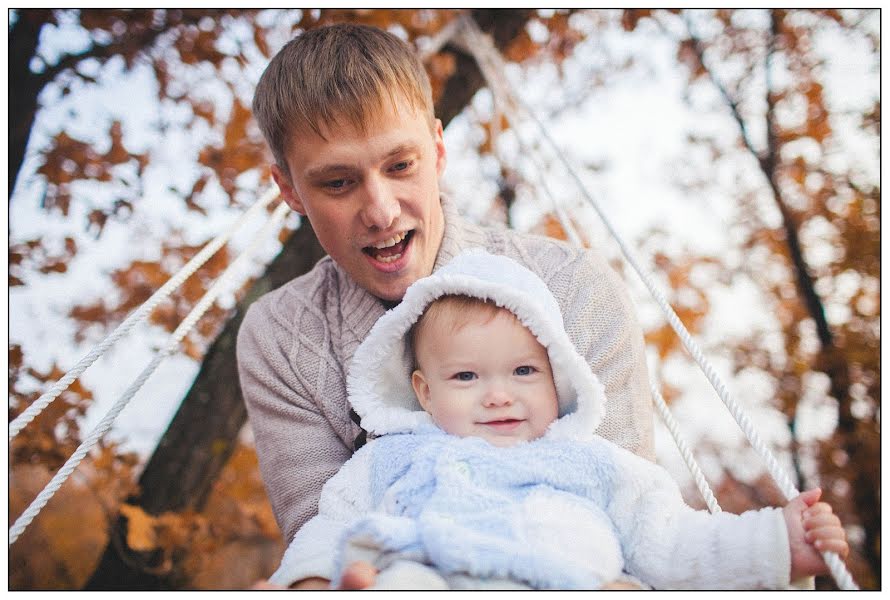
<point>343,72</point>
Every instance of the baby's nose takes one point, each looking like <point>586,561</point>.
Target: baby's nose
<point>498,396</point>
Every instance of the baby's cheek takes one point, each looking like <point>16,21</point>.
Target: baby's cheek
<point>454,421</point>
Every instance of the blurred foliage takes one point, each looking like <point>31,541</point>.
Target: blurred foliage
<point>807,196</point>
<point>821,197</point>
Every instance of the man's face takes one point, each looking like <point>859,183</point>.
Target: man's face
<point>491,379</point>
<point>372,197</point>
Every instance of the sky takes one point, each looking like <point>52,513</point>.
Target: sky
<point>633,129</point>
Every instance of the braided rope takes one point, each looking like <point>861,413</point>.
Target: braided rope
<point>176,338</point>
<point>487,57</point>
<point>137,316</point>
<point>562,217</point>
<point>674,427</point>
<point>501,98</point>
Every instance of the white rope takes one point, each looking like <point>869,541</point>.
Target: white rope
<point>575,238</point>
<point>137,316</point>
<point>567,225</point>
<point>501,97</point>
<point>176,338</point>
<point>488,58</point>
<point>439,39</point>
<point>674,428</point>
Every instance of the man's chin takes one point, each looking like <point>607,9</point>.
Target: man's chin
<point>389,292</point>
<point>390,287</point>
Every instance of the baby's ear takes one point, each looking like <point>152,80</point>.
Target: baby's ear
<point>421,389</point>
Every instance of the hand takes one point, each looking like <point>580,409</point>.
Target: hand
<point>357,576</point>
<point>813,528</point>
<point>310,583</point>
<point>263,584</point>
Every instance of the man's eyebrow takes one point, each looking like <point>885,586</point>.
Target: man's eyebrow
<point>327,171</point>
<point>338,169</point>
<point>403,148</point>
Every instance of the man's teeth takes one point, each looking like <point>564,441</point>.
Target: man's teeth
<point>389,259</point>
<point>391,241</point>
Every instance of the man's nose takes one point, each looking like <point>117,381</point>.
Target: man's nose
<point>380,208</point>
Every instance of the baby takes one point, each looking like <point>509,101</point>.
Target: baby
<point>485,471</point>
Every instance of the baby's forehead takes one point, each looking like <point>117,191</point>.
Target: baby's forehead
<point>455,312</point>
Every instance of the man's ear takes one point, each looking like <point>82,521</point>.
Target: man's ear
<point>441,155</point>
<point>421,389</point>
<point>288,194</point>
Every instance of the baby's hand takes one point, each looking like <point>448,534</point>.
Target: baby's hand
<point>813,528</point>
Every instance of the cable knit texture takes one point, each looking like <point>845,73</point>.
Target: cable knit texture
<point>295,344</point>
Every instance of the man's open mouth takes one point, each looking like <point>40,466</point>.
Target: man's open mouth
<point>390,250</point>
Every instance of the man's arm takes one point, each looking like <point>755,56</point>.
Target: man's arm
<point>297,448</point>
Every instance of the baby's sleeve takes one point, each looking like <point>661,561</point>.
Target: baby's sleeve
<point>669,545</point>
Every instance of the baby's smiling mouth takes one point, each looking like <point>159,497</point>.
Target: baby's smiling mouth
<point>391,249</point>
<point>502,424</point>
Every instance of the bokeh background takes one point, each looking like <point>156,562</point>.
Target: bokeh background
<point>736,152</point>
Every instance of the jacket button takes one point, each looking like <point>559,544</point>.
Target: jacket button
<point>462,468</point>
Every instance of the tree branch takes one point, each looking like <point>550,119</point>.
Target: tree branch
<point>832,360</point>
<point>698,48</point>
<point>104,52</point>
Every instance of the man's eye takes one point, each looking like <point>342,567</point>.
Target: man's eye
<point>524,370</point>
<point>465,376</point>
<point>335,184</point>
<point>401,166</point>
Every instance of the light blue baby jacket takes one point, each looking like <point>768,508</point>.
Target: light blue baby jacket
<point>569,510</point>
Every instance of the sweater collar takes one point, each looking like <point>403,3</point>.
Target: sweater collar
<point>459,235</point>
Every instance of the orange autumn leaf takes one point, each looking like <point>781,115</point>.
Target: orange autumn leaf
<point>140,528</point>
<point>631,17</point>
<point>551,227</point>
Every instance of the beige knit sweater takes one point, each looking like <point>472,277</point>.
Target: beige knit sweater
<point>296,343</point>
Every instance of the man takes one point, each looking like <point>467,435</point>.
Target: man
<point>347,111</point>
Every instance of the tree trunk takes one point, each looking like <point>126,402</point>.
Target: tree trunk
<point>203,432</point>
<point>24,85</point>
<point>832,361</point>
<point>202,435</point>
<point>503,26</point>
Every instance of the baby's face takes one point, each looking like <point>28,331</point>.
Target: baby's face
<point>487,379</point>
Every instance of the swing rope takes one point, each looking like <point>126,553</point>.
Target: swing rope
<point>222,283</point>
<point>136,317</point>
<point>674,428</point>
<point>503,98</point>
<point>490,64</point>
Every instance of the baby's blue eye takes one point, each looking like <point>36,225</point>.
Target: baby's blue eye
<point>465,376</point>
<point>524,370</point>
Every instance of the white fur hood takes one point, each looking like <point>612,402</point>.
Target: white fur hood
<point>379,379</point>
